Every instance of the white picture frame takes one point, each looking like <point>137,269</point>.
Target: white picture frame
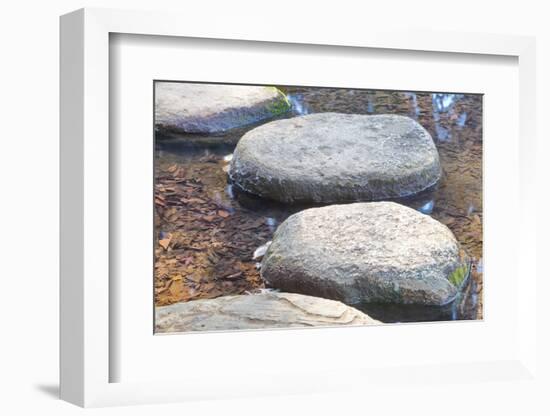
<point>86,304</point>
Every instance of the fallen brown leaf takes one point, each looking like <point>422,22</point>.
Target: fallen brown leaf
<point>223,214</point>
<point>164,243</point>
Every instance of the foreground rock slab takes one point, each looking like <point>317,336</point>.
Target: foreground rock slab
<point>211,108</point>
<point>366,252</point>
<point>332,157</point>
<point>259,311</point>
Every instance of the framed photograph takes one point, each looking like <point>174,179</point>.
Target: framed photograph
<point>286,213</point>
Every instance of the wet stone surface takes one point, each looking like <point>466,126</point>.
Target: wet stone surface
<point>208,231</point>
<point>333,157</point>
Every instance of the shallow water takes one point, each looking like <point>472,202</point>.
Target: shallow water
<point>215,229</point>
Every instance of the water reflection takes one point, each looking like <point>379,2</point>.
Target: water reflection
<point>454,312</point>
<point>443,103</point>
<point>415,108</point>
<point>229,191</point>
<point>461,122</point>
<point>441,132</point>
<point>271,223</point>
<point>370,105</point>
<point>427,208</point>
<point>479,266</point>
<point>412,313</point>
<point>297,104</point>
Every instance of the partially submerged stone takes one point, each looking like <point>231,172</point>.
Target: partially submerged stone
<point>212,108</point>
<point>332,157</point>
<point>258,311</point>
<point>366,253</point>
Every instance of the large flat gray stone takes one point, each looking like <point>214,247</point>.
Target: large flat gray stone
<point>366,252</point>
<point>332,157</point>
<point>212,108</point>
<point>258,311</point>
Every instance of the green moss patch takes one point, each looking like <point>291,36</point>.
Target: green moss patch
<point>280,106</point>
<point>458,276</point>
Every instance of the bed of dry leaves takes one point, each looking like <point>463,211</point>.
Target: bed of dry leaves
<point>203,249</point>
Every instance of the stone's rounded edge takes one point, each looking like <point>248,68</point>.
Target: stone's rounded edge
<point>287,192</point>
<point>224,120</point>
<point>294,263</point>
<point>194,139</point>
<point>252,174</point>
<point>266,310</point>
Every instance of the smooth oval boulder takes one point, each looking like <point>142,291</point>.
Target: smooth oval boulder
<point>332,157</point>
<point>370,252</point>
<point>211,108</point>
<point>257,311</point>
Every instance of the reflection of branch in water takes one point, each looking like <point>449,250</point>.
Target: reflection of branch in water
<point>443,103</point>
<point>370,105</point>
<point>297,104</point>
<point>415,108</point>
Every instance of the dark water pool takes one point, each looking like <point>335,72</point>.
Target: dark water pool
<point>212,230</point>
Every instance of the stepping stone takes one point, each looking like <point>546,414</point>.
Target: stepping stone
<point>331,157</point>
<point>212,108</point>
<point>259,311</point>
<point>366,253</point>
